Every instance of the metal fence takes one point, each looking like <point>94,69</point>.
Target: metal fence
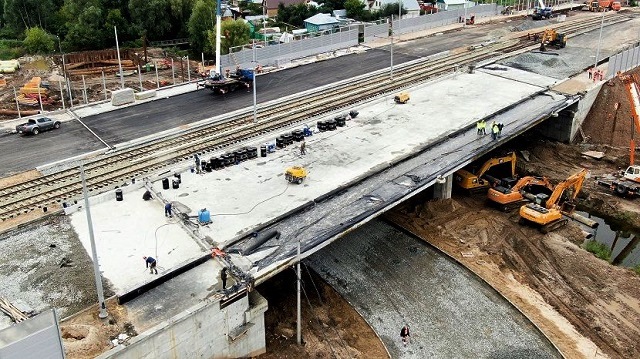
<point>34,338</point>
<point>276,55</point>
<point>624,61</point>
<point>442,18</point>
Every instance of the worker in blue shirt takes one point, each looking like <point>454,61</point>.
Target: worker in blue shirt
<point>151,264</point>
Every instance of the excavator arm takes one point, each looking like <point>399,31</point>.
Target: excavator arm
<point>511,157</point>
<point>531,181</point>
<point>633,94</point>
<point>575,181</point>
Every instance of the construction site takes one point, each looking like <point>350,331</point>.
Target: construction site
<point>389,187</point>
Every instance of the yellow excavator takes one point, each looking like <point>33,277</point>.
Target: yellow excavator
<point>550,37</point>
<point>508,198</point>
<point>475,181</point>
<point>546,212</point>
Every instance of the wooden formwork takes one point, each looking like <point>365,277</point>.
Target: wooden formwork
<point>96,62</point>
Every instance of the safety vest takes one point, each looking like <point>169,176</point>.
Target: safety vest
<point>495,129</point>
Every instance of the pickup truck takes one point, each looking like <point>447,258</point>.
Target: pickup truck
<point>35,126</point>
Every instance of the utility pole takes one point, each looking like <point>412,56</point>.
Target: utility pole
<point>119,63</point>
<point>299,329</point>
<point>96,268</point>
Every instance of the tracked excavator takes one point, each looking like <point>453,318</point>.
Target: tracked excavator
<point>508,198</point>
<point>550,37</point>
<point>476,181</point>
<point>547,212</point>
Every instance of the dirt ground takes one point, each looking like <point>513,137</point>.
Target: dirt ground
<point>50,70</point>
<point>331,327</point>
<point>586,306</point>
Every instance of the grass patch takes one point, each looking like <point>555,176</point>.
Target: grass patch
<point>598,249</point>
<point>637,269</point>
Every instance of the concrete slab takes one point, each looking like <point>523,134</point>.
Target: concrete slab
<point>519,75</point>
<point>252,193</point>
<point>128,230</point>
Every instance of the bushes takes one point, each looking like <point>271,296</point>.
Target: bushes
<point>598,249</point>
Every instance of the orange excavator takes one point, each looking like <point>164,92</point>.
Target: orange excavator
<point>508,198</point>
<point>547,212</point>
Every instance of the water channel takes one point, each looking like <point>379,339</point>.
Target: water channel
<point>625,250</point>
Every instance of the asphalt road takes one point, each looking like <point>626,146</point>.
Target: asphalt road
<point>145,119</point>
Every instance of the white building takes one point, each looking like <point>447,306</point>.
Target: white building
<point>453,4</point>
<point>411,6</point>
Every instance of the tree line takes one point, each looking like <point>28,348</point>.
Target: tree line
<point>47,26</point>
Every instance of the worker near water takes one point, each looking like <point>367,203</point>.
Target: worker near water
<point>303,146</point>
<point>223,276</point>
<point>167,210</point>
<point>151,264</point>
<point>404,334</point>
<point>494,131</point>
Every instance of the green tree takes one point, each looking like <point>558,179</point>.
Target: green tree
<point>24,14</point>
<point>234,33</point>
<point>295,14</point>
<point>251,8</point>
<point>87,31</point>
<point>38,41</point>
<point>150,17</point>
<point>355,9</point>
<point>200,23</point>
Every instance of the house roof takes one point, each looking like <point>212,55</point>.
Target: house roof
<point>322,19</point>
<point>455,2</point>
<point>273,4</point>
<point>409,5</point>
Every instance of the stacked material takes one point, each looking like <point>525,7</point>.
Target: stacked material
<point>145,94</point>
<point>33,87</point>
<point>12,311</point>
<point>121,97</point>
<point>9,66</point>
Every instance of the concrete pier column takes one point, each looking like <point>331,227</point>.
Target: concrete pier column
<point>442,188</point>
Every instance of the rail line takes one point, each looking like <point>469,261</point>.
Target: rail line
<point>112,169</point>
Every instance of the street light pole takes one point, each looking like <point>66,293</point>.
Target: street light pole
<point>64,71</point>
<point>299,309</point>
<point>391,51</point>
<point>96,268</point>
<point>255,100</point>
<point>599,42</point>
<point>119,63</point>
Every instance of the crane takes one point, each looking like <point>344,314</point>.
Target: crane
<point>633,94</point>
<point>547,211</point>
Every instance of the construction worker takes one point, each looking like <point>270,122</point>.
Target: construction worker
<point>197,158</point>
<point>483,126</point>
<point>303,146</point>
<point>500,126</point>
<point>479,127</point>
<point>167,210</point>
<point>151,264</point>
<point>223,276</point>
<point>404,334</point>
<point>494,131</point>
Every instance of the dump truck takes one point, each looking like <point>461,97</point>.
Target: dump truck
<point>402,97</point>
<point>493,171</point>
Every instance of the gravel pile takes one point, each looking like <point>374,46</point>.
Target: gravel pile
<point>392,279</point>
<point>46,266</point>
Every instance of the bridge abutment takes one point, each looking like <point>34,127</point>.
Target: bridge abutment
<point>442,187</point>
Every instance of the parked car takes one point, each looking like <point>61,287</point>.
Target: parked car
<point>35,126</point>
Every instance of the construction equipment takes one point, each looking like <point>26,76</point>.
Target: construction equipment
<point>402,97</point>
<point>295,174</point>
<point>547,212</point>
<point>510,197</point>
<point>603,5</point>
<point>479,180</point>
<point>221,84</point>
<point>541,11</point>
<point>550,37</point>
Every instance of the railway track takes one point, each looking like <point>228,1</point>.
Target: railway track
<point>113,169</point>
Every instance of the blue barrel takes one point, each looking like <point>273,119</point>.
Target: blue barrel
<point>204,216</point>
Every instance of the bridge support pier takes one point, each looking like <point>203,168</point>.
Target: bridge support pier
<point>442,188</point>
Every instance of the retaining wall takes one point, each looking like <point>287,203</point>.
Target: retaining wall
<point>207,330</point>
